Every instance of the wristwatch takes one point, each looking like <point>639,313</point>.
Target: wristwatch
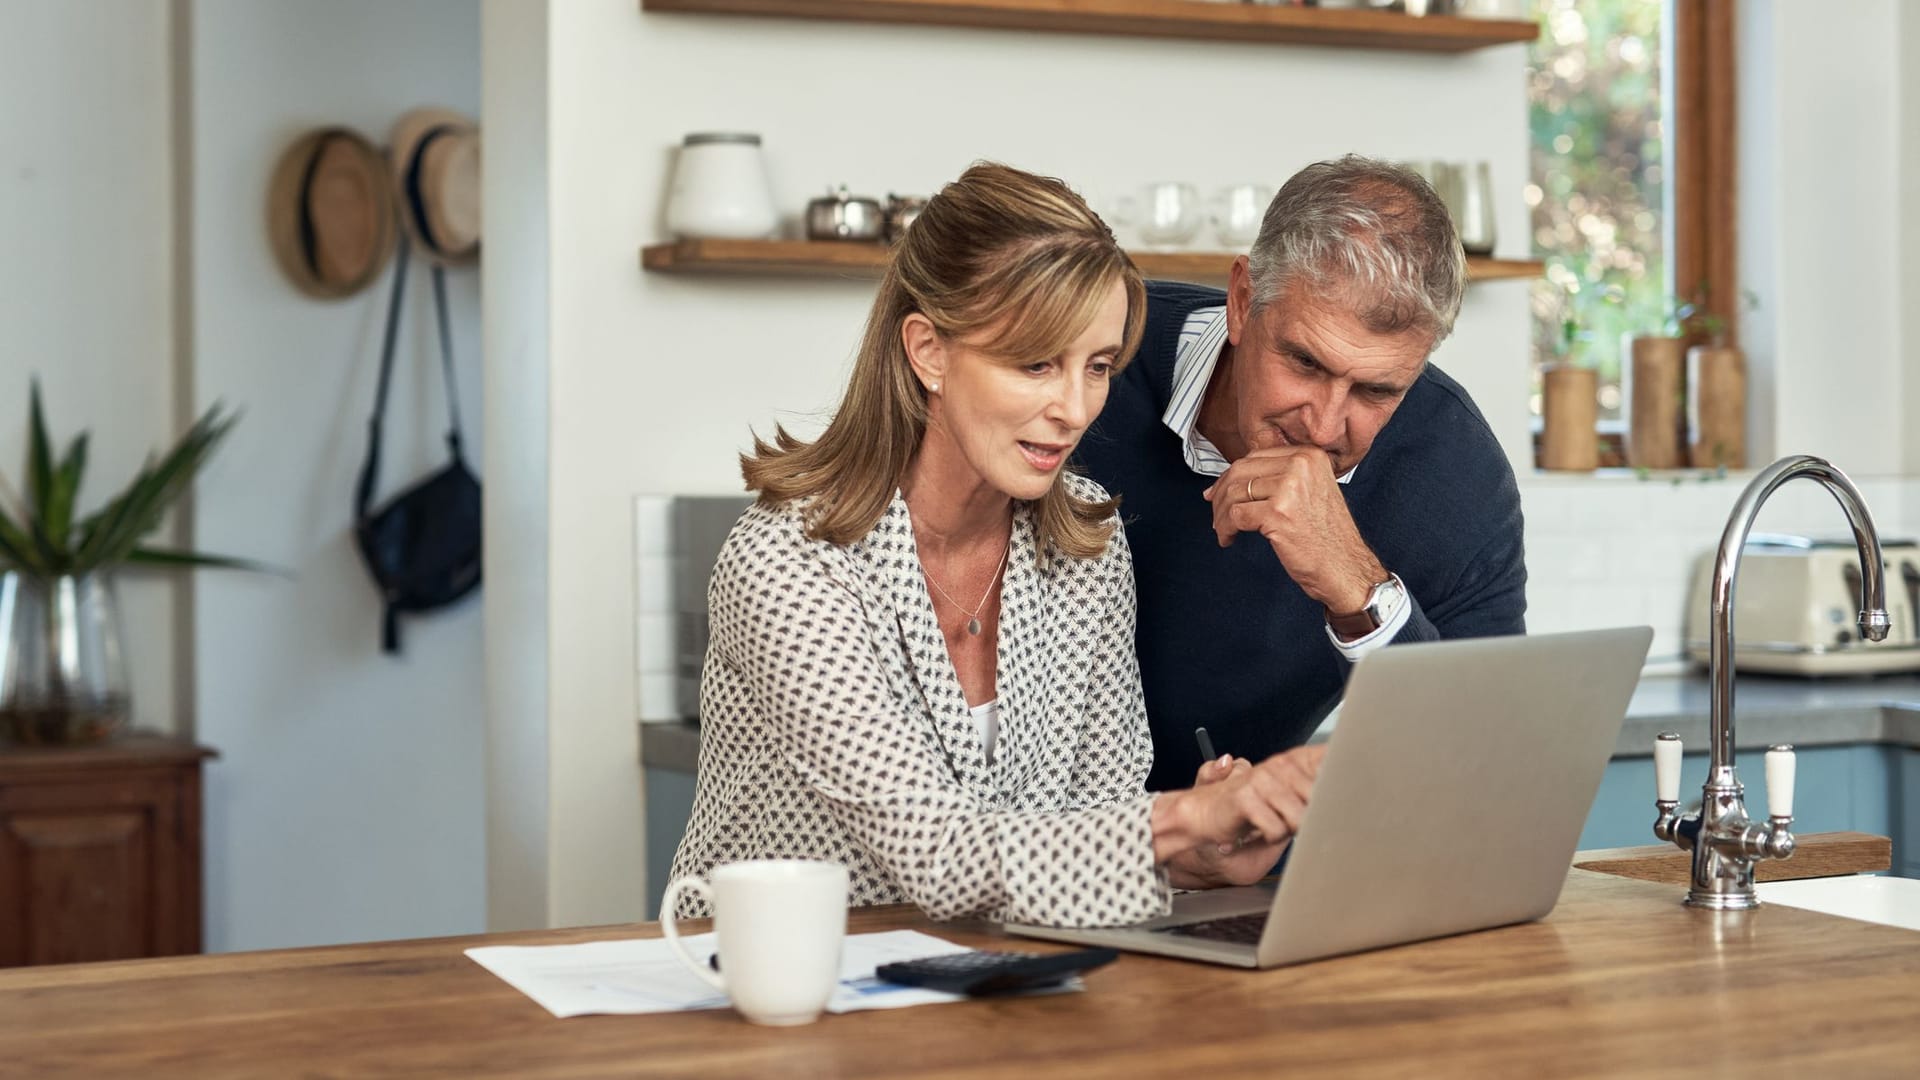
<point>1383,601</point>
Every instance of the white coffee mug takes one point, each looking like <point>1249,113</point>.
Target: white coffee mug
<point>778,925</point>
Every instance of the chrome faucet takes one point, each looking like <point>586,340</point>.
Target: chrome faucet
<point>1726,844</point>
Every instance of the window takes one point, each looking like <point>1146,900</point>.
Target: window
<point>1631,167</point>
<point>1597,185</point>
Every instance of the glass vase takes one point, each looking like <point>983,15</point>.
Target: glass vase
<point>62,676</point>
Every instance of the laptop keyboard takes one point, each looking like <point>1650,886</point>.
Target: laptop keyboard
<point>1237,929</point>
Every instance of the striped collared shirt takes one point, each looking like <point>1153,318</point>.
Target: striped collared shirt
<point>1202,339</point>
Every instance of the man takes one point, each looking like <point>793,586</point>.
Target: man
<point>1299,485</point>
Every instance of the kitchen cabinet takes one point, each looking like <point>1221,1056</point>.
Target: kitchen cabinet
<point>100,851</point>
<point>1906,835</point>
<point>669,807</point>
<point>1241,23</point>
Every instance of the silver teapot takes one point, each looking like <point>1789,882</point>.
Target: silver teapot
<point>840,216</point>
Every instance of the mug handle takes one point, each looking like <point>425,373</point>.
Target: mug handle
<point>672,932</point>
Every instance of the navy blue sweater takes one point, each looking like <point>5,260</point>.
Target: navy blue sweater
<point>1226,639</point>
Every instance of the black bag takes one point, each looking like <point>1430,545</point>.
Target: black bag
<point>423,546</point>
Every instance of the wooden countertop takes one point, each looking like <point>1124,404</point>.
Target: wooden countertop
<point>1619,979</point>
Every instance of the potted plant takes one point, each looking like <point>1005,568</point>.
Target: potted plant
<point>1717,391</point>
<point>1570,406</point>
<point>1657,384</point>
<point>62,673</point>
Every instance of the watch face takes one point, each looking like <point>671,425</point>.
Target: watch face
<point>1385,599</point>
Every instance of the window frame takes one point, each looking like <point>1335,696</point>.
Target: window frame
<point>1705,170</point>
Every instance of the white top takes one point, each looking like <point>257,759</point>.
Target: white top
<point>1203,337</point>
<point>986,717</point>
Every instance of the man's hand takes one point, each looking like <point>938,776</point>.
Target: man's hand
<point>1290,495</point>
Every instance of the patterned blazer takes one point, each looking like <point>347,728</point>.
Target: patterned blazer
<point>832,726</point>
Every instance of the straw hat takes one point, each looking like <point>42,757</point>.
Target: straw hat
<point>436,175</point>
<point>330,212</point>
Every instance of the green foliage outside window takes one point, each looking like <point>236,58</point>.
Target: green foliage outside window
<point>1597,182</point>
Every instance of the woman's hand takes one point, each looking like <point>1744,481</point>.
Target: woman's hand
<point>1243,862</point>
<point>1232,825</point>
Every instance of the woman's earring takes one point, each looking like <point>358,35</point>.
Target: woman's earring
<point>933,388</point>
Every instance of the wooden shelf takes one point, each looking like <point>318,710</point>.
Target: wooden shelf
<point>814,258</point>
<point>1338,28</point>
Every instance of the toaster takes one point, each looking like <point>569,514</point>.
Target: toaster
<point>1796,608</point>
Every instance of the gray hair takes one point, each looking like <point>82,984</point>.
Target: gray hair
<point>1370,232</point>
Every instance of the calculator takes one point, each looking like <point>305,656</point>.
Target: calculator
<point>988,972</point>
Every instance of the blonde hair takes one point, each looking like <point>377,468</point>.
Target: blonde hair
<point>997,249</point>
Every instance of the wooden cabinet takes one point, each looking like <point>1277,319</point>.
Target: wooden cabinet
<point>100,851</point>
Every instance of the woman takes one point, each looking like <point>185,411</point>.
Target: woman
<point>921,661</point>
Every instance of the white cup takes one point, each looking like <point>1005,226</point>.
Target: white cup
<point>1236,213</point>
<point>1166,215</point>
<point>778,925</point>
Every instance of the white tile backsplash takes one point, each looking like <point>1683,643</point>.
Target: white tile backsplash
<point>653,637</point>
<point>652,524</point>
<point>655,585</point>
<point>657,704</point>
<point>1612,549</point>
<point>655,643</point>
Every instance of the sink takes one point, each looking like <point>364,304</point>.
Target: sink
<point>1891,901</point>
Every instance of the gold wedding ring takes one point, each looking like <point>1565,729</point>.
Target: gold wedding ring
<point>1249,489</point>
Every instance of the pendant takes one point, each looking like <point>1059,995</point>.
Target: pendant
<point>973,627</point>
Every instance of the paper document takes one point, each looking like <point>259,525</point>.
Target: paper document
<point>646,976</point>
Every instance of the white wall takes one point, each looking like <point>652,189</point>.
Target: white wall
<point>1907,106</point>
<point>348,801</point>
<point>86,241</point>
<point>1822,193</point>
<point>1760,163</point>
<point>517,295</point>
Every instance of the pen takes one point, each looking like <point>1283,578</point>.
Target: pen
<point>1206,754</point>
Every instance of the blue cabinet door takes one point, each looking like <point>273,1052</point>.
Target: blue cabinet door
<point>669,806</point>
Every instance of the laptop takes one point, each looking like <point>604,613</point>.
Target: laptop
<point>1456,783</point>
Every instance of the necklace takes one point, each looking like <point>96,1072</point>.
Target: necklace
<point>973,617</point>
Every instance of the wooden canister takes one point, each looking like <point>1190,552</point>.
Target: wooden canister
<point>1656,423</point>
<point>1571,408</point>
<point>1717,406</point>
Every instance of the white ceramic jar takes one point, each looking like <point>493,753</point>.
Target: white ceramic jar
<point>720,189</point>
